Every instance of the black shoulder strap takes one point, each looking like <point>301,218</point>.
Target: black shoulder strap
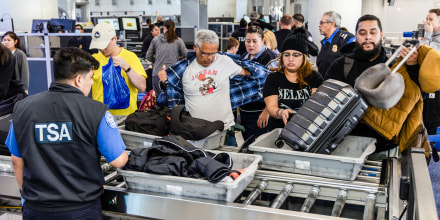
<point>348,64</point>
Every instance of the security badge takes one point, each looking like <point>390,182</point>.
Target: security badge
<point>111,122</point>
<point>335,48</point>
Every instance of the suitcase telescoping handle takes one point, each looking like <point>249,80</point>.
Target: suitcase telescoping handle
<point>407,43</point>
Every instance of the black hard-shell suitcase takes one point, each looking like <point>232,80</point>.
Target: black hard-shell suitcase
<point>325,118</point>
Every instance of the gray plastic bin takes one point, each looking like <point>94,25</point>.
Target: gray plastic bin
<point>6,164</point>
<point>135,139</point>
<point>344,162</point>
<point>186,186</point>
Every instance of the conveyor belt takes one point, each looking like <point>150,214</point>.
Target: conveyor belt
<point>364,191</point>
<point>269,195</point>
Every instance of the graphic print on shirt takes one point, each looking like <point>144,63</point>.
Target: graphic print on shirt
<point>207,83</point>
<point>290,94</point>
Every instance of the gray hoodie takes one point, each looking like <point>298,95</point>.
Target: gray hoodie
<point>161,52</point>
<point>432,39</point>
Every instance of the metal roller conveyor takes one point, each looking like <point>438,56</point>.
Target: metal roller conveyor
<point>256,192</point>
<point>316,181</point>
<point>106,167</point>
<point>339,203</point>
<point>110,177</point>
<point>369,207</point>
<point>121,185</point>
<point>310,200</point>
<point>292,196</point>
<point>279,200</point>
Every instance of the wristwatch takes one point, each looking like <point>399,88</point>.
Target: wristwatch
<point>128,70</point>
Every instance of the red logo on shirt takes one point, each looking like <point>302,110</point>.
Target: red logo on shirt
<point>207,84</point>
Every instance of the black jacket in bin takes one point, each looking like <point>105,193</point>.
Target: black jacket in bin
<point>173,155</point>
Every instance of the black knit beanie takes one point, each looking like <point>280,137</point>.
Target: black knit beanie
<point>296,40</point>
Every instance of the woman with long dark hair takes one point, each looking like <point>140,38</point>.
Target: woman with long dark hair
<point>292,83</point>
<point>164,51</point>
<point>11,91</point>
<point>12,42</point>
<point>253,117</point>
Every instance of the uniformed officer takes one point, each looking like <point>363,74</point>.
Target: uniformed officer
<point>55,140</point>
<point>334,40</point>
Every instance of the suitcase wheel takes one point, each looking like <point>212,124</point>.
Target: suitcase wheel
<point>279,143</point>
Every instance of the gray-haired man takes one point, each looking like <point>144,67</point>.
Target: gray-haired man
<point>205,80</point>
<point>334,40</point>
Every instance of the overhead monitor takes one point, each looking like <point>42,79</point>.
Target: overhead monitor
<point>62,25</point>
<point>112,21</point>
<point>37,25</point>
<point>130,24</point>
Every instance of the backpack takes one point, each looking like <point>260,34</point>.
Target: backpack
<point>191,128</point>
<point>155,121</point>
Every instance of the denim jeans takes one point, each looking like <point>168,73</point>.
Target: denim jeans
<point>92,212</point>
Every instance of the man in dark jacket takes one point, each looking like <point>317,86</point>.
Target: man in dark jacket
<point>286,23</point>
<point>56,140</point>
<point>240,35</point>
<point>365,52</point>
<point>298,22</point>
<point>154,31</point>
<point>333,42</point>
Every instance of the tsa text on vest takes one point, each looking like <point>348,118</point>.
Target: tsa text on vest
<point>53,132</point>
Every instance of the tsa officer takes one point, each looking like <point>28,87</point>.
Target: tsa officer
<point>56,140</point>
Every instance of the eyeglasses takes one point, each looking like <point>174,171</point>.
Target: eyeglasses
<point>323,22</point>
<point>287,55</point>
<point>203,54</point>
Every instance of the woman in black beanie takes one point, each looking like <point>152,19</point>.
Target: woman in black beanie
<point>292,83</point>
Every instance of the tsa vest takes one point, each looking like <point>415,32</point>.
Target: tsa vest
<point>331,51</point>
<point>56,136</point>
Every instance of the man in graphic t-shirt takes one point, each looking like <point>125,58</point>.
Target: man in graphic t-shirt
<point>205,80</point>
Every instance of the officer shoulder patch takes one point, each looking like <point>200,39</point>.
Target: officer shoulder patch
<point>111,122</point>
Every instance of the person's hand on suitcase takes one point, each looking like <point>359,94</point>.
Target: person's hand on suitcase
<point>284,114</point>
<point>412,60</point>
<point>263,119</point>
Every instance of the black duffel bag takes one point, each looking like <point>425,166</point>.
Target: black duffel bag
<point>155,121</point>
